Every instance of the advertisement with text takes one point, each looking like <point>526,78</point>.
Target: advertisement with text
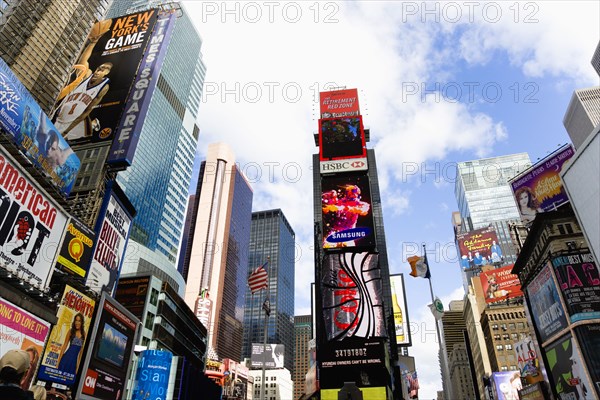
<point>76,251</point>
<point>339,103</point>
<point>478,248</point>
<point>500,285</point>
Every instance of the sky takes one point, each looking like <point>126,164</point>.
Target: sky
<point>439,83</point>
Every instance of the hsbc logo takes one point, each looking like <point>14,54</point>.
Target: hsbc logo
<point>355,164</point>
<point>89,383</point>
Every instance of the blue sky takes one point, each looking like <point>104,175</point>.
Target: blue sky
<point>265,66</point>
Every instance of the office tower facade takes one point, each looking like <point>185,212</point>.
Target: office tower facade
<point>303,332</point>
<point>583,114</point>
<point>40,41</point>
<point>460,372</point>
<point>279,385</point>
<point>272,239</point>
<point>158,180</point>
<point>596,59</point>
<point>218,256</point>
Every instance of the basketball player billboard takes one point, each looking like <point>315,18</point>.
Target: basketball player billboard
<point>31,225</point>
<point>91,104</point>
<point>31,130</point>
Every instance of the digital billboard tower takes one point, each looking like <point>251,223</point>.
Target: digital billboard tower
<point>355,332</point>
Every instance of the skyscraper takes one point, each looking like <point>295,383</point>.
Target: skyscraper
<point>272,238</point>
<point>40,41</point>
<point>157,182</point>
<point>303,332</point>
<point>216,274</point>
<point>583,114</point>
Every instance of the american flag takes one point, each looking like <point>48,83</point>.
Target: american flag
<point>413,382</point>
<point>258,279</point>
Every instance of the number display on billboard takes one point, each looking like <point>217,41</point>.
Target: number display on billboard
<point>400,310</point>
<point>76,251</point>
<point>540,188</point>
<point>579,281</point>
<point>546,309</point>
<point>478,248</point>
<point>271,355</point>
<point>107,360</point>
<point>566,369</point>
<point>91,104</point>
<point>341,138</point>
<point>110,247</point>
<point>32,131</point>
<point>347,211</point>
<point>339,103</point>
<point>67,340</point>
<point>21,330</point>
<point>31,225</point>
<point>499,284</point>
<point>352,296</point>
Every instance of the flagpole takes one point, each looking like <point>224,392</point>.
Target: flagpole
<point>263,383</point>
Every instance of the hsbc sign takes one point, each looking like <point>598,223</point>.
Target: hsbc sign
<point>351,164</point>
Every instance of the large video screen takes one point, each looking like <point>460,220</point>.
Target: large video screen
<point>341,138</point>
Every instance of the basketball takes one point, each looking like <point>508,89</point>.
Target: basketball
<point>100,28</point>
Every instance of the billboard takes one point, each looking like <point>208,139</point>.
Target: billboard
<point>128,131</point>
<point>112,232</point>
<point>545,306</point>
<point>540,188</point>
<point>271,355</point>
<point>64,350</point>
<point>499,284</point>
<point>567,371</point>
<point>341,138</point>
<point>401,321</point>
<point>34,134</point>
<point>348,165</point>
<point>339,103</point>
<point>75,253</point>
<point>133,292</point>
<point>31,225</point>
<point>91,104</point>
<point>152,375</point>
<point>589,341</point>
<point>107,360</point>
<point>478,248</point>
<point>352,296</point>
<point>579,281</point>
<point>347,212</point>
<point>507,385</point>
<point>21,330</point>
<point>528,361</point>
<point>367,393</point>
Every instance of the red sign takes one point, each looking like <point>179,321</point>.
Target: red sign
<point>479,247</point>
<point>499,284</point>
<point>339,103</point>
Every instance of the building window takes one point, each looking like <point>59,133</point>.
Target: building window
<point>154,297</point>
<point>149,321</point>
<point>495,327</point>
<point>508,347</point>
<point>503,368</point>
<point>499,347</point>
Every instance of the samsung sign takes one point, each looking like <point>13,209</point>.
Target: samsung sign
<point>352,164</point>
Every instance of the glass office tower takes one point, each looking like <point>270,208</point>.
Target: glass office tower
<point>158,180</point>
<point>273,239</point>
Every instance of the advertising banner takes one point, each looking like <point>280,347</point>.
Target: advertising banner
<point>107,361</point>
<point>567,370</point>
<point>21,330</point>
<point>478,248</point>
<point>31,225</point>
<point>339,103</point>
<point>152,375</point>
<point>123,147</point>
<point>271,355</point>
<point>507,385</point>
<point>341,138</point>
<point>348,165</point>
<point>499,284</point>
<point>91,104</point>
<point>347,212</point>
<point>76,251</point>
<point>111,242</point>
<point>579,282</point>
<point>133,292</point>
<point>535,391</point>
<point>31,130</point>
<point>64,350</point>
<point>546,309</point>
<point>400,310</point>
<point>370,393</point>
<point>589,342</point>
<point>353,359</point>
<point>540,188</point>
<point>527,360</point>
<point>352,296</point>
